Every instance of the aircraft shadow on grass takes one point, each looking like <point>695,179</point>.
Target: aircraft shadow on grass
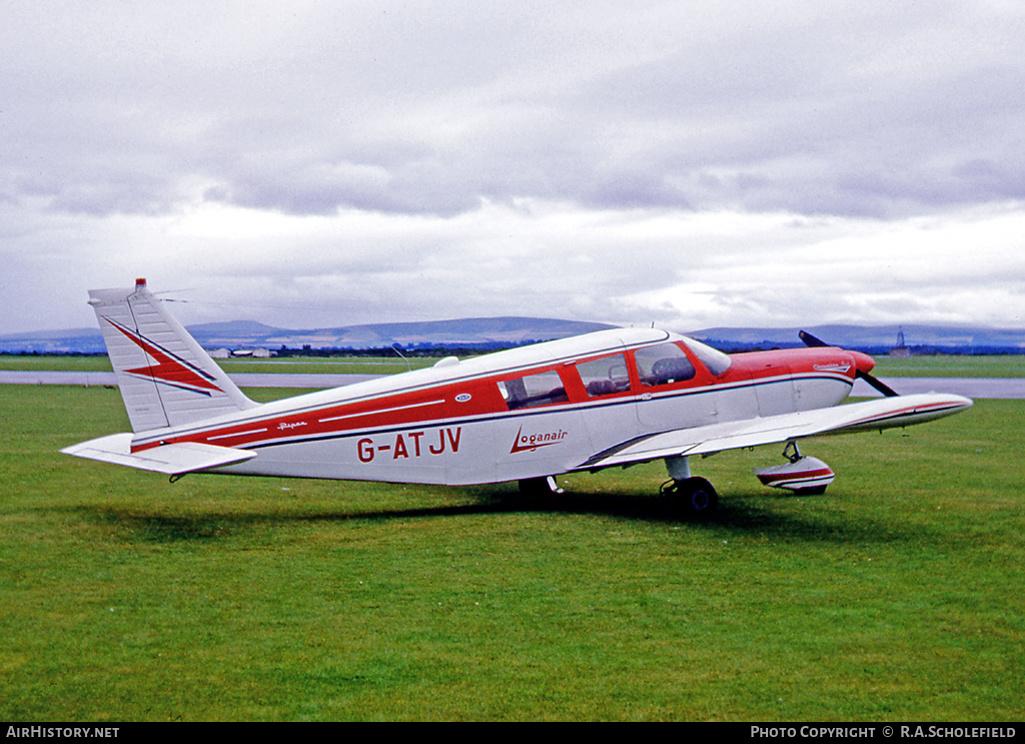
<point>739,516</point>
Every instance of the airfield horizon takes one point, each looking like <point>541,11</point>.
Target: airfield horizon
<point>938,365</point>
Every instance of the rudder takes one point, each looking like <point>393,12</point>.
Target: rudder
<point>166,378</point>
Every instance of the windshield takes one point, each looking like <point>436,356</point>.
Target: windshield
<point>716,361</point>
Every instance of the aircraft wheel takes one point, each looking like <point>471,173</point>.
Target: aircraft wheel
<point>539,486</point>
<point>694,497</point>
<point>816,491</point>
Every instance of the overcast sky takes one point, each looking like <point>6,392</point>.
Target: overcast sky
<point>684,163</point>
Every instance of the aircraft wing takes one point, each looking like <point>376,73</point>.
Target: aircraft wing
<point>170,459</point>
<point>870,415</point>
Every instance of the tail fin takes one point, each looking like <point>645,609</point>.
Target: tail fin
<point>166,378</point>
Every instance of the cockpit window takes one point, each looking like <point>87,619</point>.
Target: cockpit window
<point>541,389</point>
<point>716,361</point>
<point>605,376</point>
<point>663,364</point>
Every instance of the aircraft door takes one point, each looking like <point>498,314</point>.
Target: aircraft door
<point>672,395</point>
<point>612,418</point>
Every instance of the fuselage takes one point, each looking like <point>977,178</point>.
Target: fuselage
<point>534,411</point>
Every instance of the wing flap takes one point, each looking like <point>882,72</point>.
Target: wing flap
<point>170,459</point>
<point>871,415</point>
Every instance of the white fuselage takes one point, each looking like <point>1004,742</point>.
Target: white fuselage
<point>459,423</point>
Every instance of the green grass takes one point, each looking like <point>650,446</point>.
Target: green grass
<point>895,596</point>
<point>33,363</point>
<point>295,365</point>
<point>333,365</point>
<point>937,366</point>
<point>919,366</point>
<point>951,366</point>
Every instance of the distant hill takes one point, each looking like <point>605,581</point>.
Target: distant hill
<point>484,333</point>
<point>873,339</point>
<point>491,333</point>
<point>73,341</point>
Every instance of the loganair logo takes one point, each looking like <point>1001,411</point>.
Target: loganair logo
<point>530,442</point>
<point>169,368</point>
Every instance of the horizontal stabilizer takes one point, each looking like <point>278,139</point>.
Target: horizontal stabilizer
<point>170,459</point>
<point>871,415</point>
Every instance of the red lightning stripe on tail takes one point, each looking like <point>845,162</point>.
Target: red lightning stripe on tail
<point>169,369</point>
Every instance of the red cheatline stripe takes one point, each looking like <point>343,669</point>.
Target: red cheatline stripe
<point>769,478</point>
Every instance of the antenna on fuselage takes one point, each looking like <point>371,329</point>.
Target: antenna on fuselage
<point>395,348</point>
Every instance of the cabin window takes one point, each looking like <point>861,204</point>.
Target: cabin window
<point>605,376</point>
<point>541,389</point>
<point>663,364</point>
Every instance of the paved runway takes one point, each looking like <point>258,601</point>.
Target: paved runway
<point>972,387</point>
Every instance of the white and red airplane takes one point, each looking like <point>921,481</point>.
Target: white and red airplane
<point>611,398</point>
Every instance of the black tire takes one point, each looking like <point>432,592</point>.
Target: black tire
<point>693,497</point>
<point>534,487</point>
<point>816,491</point>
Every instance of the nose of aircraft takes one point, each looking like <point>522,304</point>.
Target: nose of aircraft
<point>863,362</point>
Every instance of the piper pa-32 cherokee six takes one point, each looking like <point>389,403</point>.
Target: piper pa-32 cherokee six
<point>604,399</point>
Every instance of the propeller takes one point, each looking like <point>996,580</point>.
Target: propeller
<point>810,341</point>
<point>863,374</point>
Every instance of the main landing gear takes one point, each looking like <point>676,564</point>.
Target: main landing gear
<point>545,486</point>
<point>694,497</point>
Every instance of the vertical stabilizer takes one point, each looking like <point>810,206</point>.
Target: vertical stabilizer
<point>166,378</point>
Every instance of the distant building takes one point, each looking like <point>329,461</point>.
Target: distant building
<point>256,353</point>
<point>901,350</point>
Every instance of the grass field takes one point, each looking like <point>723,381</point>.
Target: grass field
<point>1006,365</point>
<point>896,596</point>
<point>921,366</point>
<point>304,365</point>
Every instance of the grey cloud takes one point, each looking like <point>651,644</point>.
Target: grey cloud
<point>759,110</point>
<point>376,139</point>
